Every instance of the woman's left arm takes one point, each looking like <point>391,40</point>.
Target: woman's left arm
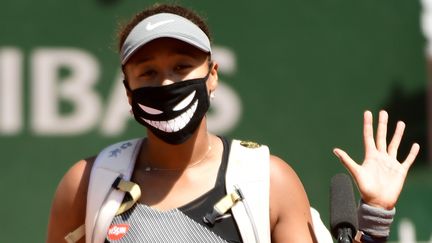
<point>290,216</point>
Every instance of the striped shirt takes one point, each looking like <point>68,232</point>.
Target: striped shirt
<point>142,224</point>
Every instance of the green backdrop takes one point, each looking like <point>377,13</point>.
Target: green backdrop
<point>304,72</point>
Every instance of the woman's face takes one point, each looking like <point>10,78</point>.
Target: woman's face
<point>165,61</point>
<point>172,113</point>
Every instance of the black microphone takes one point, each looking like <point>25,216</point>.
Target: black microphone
<point>343,209</point>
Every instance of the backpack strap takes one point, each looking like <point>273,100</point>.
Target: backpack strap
<point>322,234</point>
<point>103,201</point>
<point>248,173</point>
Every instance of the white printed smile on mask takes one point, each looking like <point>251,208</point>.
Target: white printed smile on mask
<point>175,124</point>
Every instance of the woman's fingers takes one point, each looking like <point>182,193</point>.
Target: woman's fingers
<point>368,137</point>
<point>415,148</point>
<point>381,135</point>
<point>346,160</point>
<point>397,137</point>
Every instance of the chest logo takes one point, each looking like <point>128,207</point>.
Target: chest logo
<point>117,231</point>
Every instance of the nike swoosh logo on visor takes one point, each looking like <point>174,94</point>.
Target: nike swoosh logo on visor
<point>151,26</point>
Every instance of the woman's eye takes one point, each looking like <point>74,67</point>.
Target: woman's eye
<point>182,67</point>
<point>147,73</point>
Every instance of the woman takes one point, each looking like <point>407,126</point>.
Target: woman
<point>180,167</point>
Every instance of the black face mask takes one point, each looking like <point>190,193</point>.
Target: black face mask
<point>172,112</point>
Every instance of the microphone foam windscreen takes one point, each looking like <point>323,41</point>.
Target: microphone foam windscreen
<point>343,208</point>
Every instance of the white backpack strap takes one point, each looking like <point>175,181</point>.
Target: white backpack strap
<point>322,234</point>
<point>248,172</point>
<point>117,160</point>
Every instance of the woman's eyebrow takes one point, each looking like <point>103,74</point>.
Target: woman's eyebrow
<point>143,59</point>
<point>184,52</point>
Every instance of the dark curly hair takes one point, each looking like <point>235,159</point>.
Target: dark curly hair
<point>162,8</point>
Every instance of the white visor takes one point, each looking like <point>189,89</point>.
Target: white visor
<point>163,25</point>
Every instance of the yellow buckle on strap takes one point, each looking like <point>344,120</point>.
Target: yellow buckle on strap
<point>222,206</point>
<point>128,187</point>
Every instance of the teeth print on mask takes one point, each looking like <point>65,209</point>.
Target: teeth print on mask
<point>175,124</point>
<point>172,112</point>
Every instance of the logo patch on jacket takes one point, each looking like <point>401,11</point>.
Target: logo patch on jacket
<point>117,231</point>
<point>249,144</point>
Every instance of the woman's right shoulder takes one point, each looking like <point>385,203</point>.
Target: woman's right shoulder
<point>76,179</point>
<point>68,207</point>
